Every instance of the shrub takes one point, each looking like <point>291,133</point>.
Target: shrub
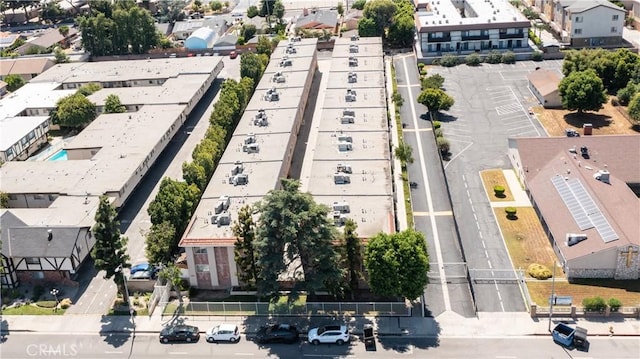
<point>626,94</point>
<point>448,61</point>
<point>438,132</point>
<point>434,82</point>
<point>38,291</point>
<point>397,98</point>
<point>536,56</point>
<point>498,190</point>
<point>443,145</point>
<point>436,124</point>
<point>494,57</point>
<point>508,58</point>
<point>614,304</point>
<point>46,304</point>
<point>65,303</point>
<point>539,271</point>
<point>511,212</point>
<point>473,59</point>
<point>594,304</point>
<point>420,66</point>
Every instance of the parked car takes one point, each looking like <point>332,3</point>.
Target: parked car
<point>179,333</point>
<point>570,132</point>
<point>143,275</point>
<point>277,333</point>
<point>141,267</point>
<point>328,334</point>
<point>233,55</point>
<point>223,332</point>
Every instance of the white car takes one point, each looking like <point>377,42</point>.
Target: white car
<point>223,333</point>
<point>329,334</point>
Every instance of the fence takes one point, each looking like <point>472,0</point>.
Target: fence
<point>160,295</point>
<point>575,311</point>
<point>308,309</point>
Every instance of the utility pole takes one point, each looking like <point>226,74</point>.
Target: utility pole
<point>553,294</point>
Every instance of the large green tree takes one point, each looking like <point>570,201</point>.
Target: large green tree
<point>172,275</point>
<point>352,256</point>
<point>295,238</point>
<point>435,100</point>
<point>278,10</point>
<point>614,68</point>
<point>244,228</point>
<point>582,91</point>
<point>397,264</point>
<point>14,82</point>
<point>4,200</point>
<point>251,66</point>
<point>367,28</point>
<point>174,203</point>
<point>404,153</point>
<point>634,109</point>
<point>161,243</point>
<point>112,104</point>
<point>109,252</point>
<point>74,111</point>
<point>381,12</point>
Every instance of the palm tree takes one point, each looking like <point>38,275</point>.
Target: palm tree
<point>404,153</point>
<point>64,31</point>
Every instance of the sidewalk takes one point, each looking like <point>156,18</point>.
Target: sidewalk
<point>448,324</point>
<point>520,196</point>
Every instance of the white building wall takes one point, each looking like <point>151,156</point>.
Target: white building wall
<point>233,267</point>
<point>598,22</point>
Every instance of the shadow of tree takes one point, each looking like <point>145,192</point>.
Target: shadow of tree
<point>576,119</point>
<point>116,330</point>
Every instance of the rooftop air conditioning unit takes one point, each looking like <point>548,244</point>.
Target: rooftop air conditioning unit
<point>353,62</point>
<point>291,49</point>
<point>343,168</point>
<point>261,122</point>
<point>341,178</point>
<point>342,207</point>
<point>347,120</point>
<point>353,49</point>
<point>345,138</point>
<point>278,77</point>
<point>251,148</point>
<point>348,113</point>
<point>339,219</point>
<point>237,168</point>
<point>223,204</point>
<point>251,138</point>
<point>345,146</point>
<point>285,62</point>
<point>602,175</point>
<point>355,38</point>
<point>223,219</point>
<point>353,77</point>
<point>239,179</point>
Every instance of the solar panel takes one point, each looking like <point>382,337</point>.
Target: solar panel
<point>572,203</point>
<point>584,210</point>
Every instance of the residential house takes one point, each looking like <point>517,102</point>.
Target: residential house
<point>351,19</point>
<point>201,39</point>
<point>461,27</point>
<point>543,83</point>
<point>7,39</point>
<point>317,20</point>
<point>226,43</point>
<point>585,23</point>
<point>585,190</point>
<point>47,39</point>
<point>26,67</point>
<point>183,29</point>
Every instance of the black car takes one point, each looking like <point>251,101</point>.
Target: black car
<point>180,333</point>
<point>277,333</point>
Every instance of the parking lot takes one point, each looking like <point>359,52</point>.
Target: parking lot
<point>491,105</point>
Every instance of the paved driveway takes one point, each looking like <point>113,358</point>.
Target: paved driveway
<point>491,105</point>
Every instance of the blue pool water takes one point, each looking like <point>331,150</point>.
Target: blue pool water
<point>59,156</point>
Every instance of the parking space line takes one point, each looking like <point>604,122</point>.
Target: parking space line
<point>513,117</point>
<point>519,127</point>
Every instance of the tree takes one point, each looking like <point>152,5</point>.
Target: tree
<point>196,6</point>
<point>381,12</point>
<point>264,46</point>
<point>404,153</point>
<point>359,4</point>
<point>397,264</point>
<point>340,9</point>
<point>625,94</point>
<point>294,235</point>
<point>248,30</point>
<point>60,56</point>
<point>244,250</point>
<point>52,12</point>
<point>161,244</point>
<point>278,10</point>
<point>435,100</point>
<point>14,82</point>
<point>353,256</point>
<point>266,8</point>
<point>172,275</point>
<point>252,11</point>
<point>4,200</point>
<point>634,109</point>
<point>89,88</point>
<point>171,10</point>
<point>112,104</point>
<point>215,6</point>
<point>367,28</point>
<point>75,111</point>
<point>434,82</point>
<point>401,31</point>
<point>582,91</point>
<point>174,203</point>
<point>64,31</point>
<point>251,66</point>
<point>109,252</point>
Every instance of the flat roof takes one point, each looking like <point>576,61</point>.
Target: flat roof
<point>179,90</point>
<point>365,119</point>
<point>366,146</point>
<point>341,64</point>
<point>433,15</point>
<point>289,98</point>
<point>342,41</point>
<point>64,211</point>
<point>279,121</point>
<point>372,214</point>
<point>32,95</point>
<point>342,49</point>
<point>365,79</point>
<point>129,70</point>
<point>369,178</point>
<point>272,147</point>
<point>13,129</point>
<point>291,79</point>
<point>302,49</point>
<point>298,64</point>
<point>365,98</point>
<point>263,177</point>
<point>42,176</point>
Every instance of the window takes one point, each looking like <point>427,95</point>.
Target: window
<point>38,196</point>
<point>32,260</point>
<point>577,31</point>
<point>202,268</point>
<point>614,29</point>
<point>578,19</point>
<point>13,197</point>
<point>614,18</point>
<point>199,250</point>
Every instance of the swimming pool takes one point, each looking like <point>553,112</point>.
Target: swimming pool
<point>59,156</point>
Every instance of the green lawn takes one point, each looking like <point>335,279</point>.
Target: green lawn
<point>32,309</point>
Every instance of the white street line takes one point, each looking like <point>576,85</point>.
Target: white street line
<point>178,353</point>
<point>112,352</point>
<point>458,154</point>
<point>427,190</point>
<point>244,354</point>
<point>525,111</point>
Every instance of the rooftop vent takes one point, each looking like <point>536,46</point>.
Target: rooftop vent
<point>573,239</point>
<point>341,178</point>
<point>342,207</point>
<point>223,204</point>
<point>49,235</point>
<point>239,179</point>
<point>251,148</point>
<point>602,175</point>
<point>343,168</point>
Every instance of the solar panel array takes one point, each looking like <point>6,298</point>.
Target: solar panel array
<point>584,210</point>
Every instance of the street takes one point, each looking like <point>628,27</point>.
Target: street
<point>21,345</point>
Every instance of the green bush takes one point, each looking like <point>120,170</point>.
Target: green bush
<point>614,304</point>
<point>539,271</point>
<point>499,190</point>
<point>38,291</point>
<point>420,66</point>
<point>473,59</point>
<point>46,303</point>
<point>511,212</point>
<point>536,56</point>
<point>436,124</point>
<point>508,58</point>
<point>494,57</point>
<point>438,132</point>
<point>443,145</point>
<point>594,304</point>
<point>626,94</point>
<point>448,61</point>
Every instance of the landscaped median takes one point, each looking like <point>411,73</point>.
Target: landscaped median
<point>530,250</point>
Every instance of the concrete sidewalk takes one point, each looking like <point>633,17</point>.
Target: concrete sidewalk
<point>448,324</point>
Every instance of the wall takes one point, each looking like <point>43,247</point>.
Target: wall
<point>598,22</point>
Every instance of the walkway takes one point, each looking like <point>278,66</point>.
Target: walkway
<point>520,196</point>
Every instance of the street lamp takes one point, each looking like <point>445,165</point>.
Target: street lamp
<point>126,290</point>
<point>54,293</point>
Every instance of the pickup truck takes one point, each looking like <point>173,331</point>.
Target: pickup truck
<point>569,337</point>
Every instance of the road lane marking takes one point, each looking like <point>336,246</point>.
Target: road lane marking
<point>112,352</point>
<point>179,353</point>
<point>437,213</point>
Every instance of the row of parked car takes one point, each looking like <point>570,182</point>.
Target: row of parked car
<point>273,333</point>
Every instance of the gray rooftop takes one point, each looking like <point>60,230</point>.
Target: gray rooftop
<point>369,178</point>
<point>279,121</point>
<point>289,98</point>
<point>365,49</point>
<point>341,64</point>
<point>263,177</point>
<point>365,146</point>
<point>365,98</point>
<point>291,79</point>
<point>64,211</point>
<point>32,96</point>
<point>365,79</point>
<point>298,64</point>
<point>342,41</point>
<point>372,214</point>
<point>302,49</point>
<point>365,119</point>
<point>15,128</point>
<point>272,147</point>
<point>445,13</point>
<point>31,241</point>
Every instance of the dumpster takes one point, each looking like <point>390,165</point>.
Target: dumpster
<point>369,338</point>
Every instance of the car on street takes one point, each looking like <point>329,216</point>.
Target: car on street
<point>223,333</point>
<point>277,333</point>
<point>329,334</point>
<point>179,333</point>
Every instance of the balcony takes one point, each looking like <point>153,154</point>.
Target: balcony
<point>517,35</point>
<point>432,39</point>
<point>475,37</point>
